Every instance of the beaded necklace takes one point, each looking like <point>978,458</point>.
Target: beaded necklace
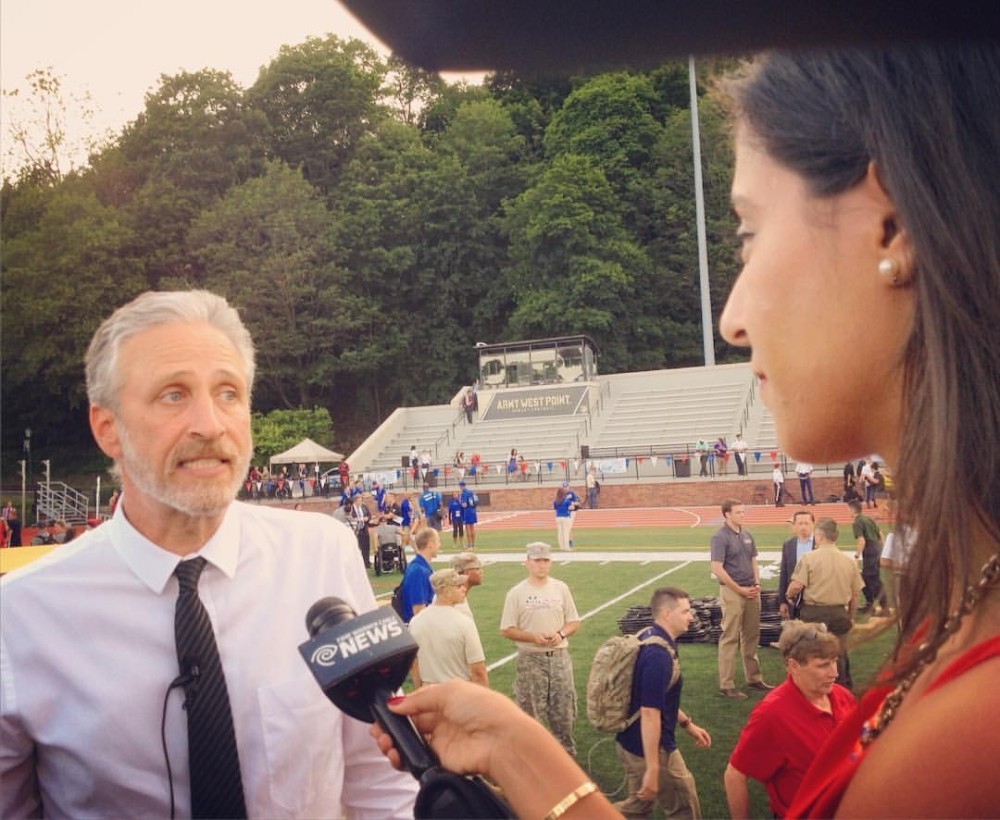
<point>974,593</point>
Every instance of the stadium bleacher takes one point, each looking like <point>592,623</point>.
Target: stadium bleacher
<point>657,411</point>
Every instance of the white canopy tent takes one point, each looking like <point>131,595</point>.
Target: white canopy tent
<point>306,450</point>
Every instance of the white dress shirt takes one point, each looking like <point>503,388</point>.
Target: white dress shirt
<point>87,653</point>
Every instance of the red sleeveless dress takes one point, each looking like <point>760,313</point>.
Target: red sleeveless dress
<point>831,772</point>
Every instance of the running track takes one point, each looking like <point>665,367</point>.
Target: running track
<point>664,517</point>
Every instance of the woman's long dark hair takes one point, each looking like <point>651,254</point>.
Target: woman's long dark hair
<point>929,119</point>
<point>560,495</point>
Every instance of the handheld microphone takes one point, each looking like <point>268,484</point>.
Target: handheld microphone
<point>359,662</point>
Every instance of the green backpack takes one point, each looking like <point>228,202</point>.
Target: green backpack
<point>609,685</point>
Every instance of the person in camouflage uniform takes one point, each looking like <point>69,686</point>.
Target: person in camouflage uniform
<point>539,615</point>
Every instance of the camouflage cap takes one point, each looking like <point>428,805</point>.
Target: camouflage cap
<point>539,549</point>
<point>446,578</point>
<point>465,561</point>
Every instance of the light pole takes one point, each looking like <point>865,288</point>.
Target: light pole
<point>707,336</point>
<point>47,495</point>
<point>27,451</point>
<point>24,484</point>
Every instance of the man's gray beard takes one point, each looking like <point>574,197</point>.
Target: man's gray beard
<point>191,501</point>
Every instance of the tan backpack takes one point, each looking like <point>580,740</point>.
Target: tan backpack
<point>609,685</point>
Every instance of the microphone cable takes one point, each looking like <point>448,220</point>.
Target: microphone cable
<point>185,679</point>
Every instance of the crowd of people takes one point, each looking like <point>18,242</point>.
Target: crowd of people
<point>819,585</point>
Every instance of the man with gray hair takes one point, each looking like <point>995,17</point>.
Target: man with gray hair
<point>830,583</point>
<point>449,642</point>
<point>539,615</point>
<point>179,683</point>
<point>788,727</point>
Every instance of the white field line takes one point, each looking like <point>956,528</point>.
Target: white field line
<point>601,608</point>
<point>495,517</point>
<point>697,518</point>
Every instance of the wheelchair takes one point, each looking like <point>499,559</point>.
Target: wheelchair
<point>388,557</point>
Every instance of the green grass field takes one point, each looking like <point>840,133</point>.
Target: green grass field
<point>593,586</point>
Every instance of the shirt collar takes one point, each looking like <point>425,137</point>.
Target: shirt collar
<point>807,704</point>
<point>661,632</point>
<point>153,565</point>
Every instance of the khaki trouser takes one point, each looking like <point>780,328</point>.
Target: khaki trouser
<point>740,631</point>
<point>678,796</point>
<point>543,687</point>
<point>564,527</point>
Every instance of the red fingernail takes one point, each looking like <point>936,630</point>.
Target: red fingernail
<point>396,700</point>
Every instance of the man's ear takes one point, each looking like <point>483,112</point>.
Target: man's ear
<point>105,430</point>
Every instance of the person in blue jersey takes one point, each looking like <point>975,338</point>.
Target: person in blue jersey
<point>430,504</point>
<point>378,492</point>
<point>406,518</point>
<point>566,503</point>
<point>468,501</point>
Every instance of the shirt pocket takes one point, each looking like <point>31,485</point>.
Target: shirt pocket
<point>302,732</point>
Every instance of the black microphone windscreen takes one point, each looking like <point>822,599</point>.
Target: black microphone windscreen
<point>327,612</point>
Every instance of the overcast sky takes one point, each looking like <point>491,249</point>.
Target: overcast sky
<point>117,49</point>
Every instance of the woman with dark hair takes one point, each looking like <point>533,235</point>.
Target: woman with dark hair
<point>867,186</point>
<point>565,504</point>
<point>868,191</point>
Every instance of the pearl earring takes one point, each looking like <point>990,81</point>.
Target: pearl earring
<point>888,269</point>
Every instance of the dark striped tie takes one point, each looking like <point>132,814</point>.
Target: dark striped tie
<point>213,761</point>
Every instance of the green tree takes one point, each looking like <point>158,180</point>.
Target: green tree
<point>378,224</point>
<point>573,264</point>
<point>194,140</point>
<point>266,246</point>
<point>672,242</point>
<point>279,430</point>
<point>60,279</point>
<point>437,113</point>
<point>609,119</point>
<point>197,133</point>
<point>485,162</point>
<point>320,98</point>
<point>531,102</point>
<point>408,90</point>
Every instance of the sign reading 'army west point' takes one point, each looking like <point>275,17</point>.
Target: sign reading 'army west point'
<point>517,404</point>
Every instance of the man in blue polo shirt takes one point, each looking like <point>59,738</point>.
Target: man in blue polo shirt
<point>417,591</point>
<point>654,767</point>
<point>430,502</point>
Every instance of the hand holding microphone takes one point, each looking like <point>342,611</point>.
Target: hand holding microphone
<point>360,662</point>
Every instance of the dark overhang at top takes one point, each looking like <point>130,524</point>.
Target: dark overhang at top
<point>556,36</point>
